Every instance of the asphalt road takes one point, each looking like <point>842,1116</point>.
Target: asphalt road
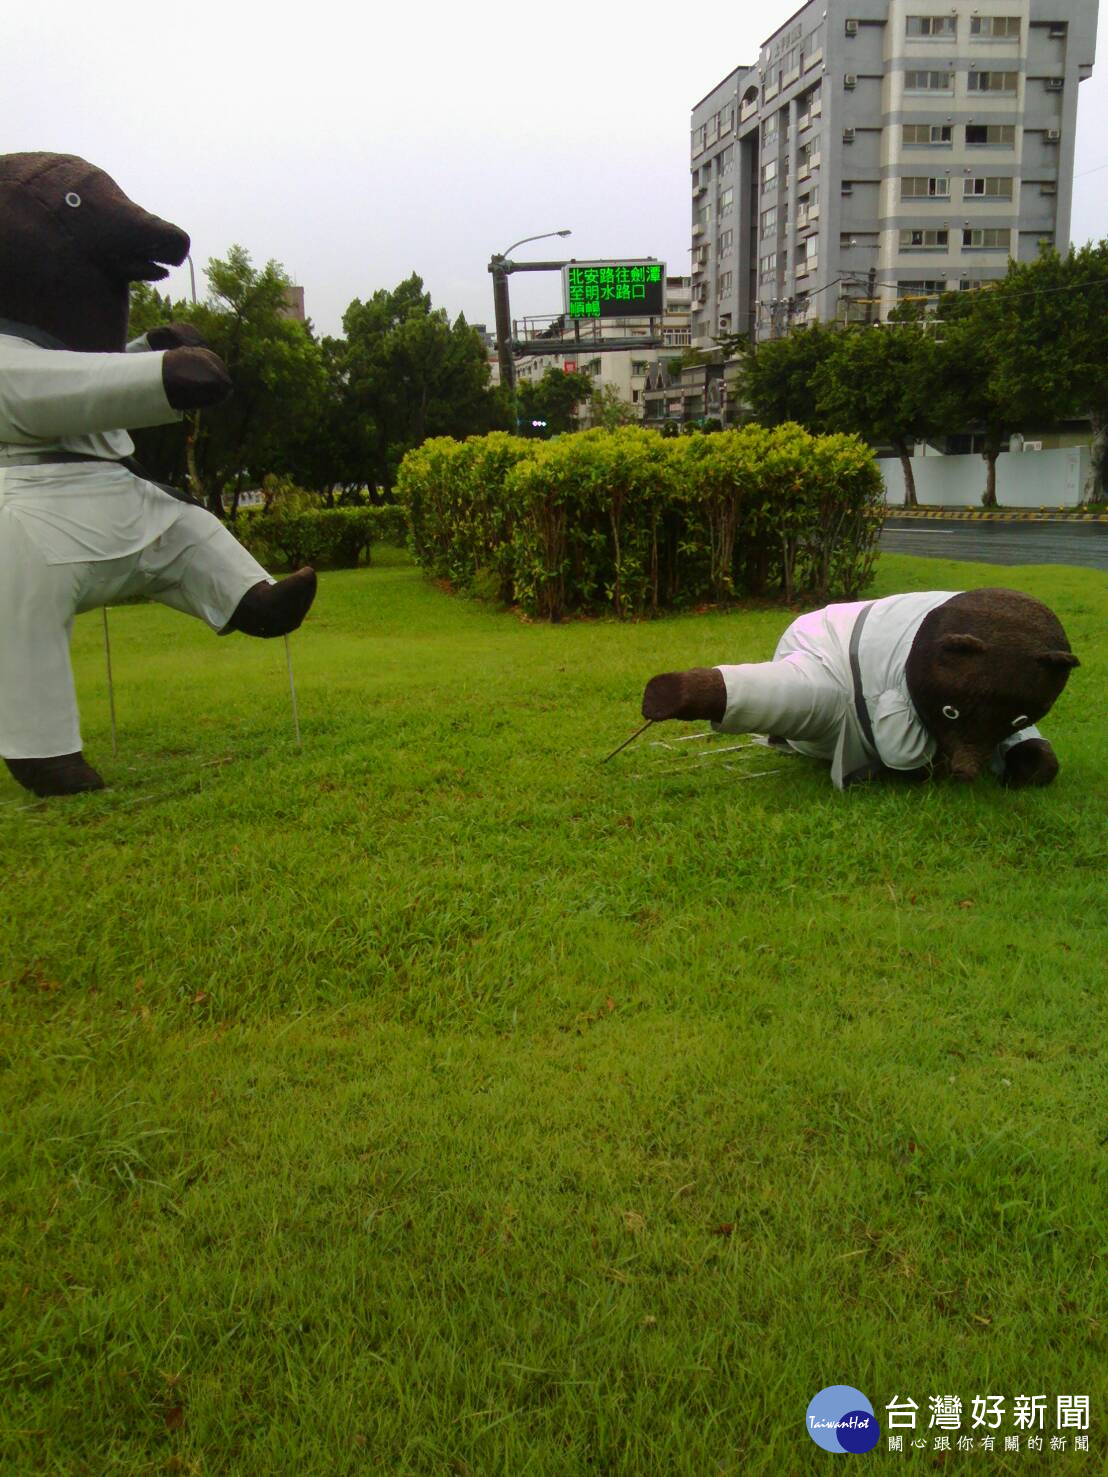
<point>998,542</point>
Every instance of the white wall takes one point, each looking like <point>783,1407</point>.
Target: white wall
<point>1024,479</point>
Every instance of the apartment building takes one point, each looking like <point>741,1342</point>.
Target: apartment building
<point>879,150</point>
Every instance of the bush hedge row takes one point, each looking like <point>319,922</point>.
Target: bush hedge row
<point>336,538</point>
<point>631,521</point>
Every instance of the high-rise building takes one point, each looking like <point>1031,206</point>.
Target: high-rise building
<point>881,150</point>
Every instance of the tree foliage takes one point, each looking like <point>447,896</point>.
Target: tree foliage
<point>548,407</point>
<point>405,372</point>
<point>334,416</point>
<point>880,383</point>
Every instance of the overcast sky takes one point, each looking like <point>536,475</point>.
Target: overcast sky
<point>358,145</point>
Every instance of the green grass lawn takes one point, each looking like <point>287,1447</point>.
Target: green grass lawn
<point>436,1100</point>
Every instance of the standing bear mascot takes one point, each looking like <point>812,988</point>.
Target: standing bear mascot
<point>915,683</point>
<point>80,525</point>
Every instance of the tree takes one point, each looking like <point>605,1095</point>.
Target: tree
<point>968,392</point>
<point>1051,343</point>
<point>408,373</point>
<point>552,401</point>
<point>277,370</point>
<point>778,374</point>
<point>609,409</point>
<point>880,383</point>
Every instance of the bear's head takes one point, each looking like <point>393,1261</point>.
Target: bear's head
<point>983,665</point>
<point>71,243</point>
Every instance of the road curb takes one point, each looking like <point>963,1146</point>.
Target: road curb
<point>996,515</point>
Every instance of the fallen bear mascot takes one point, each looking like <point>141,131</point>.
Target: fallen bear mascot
<point>912,683</point>
<point>80,525</point>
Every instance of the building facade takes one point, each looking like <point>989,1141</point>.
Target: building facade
<point>879,150</point>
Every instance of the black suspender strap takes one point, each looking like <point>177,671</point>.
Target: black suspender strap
<point>856,675</point>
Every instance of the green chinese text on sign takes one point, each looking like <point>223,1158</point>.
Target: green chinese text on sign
<point>614,289</point>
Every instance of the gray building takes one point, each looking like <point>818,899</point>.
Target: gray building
<point>880,150</point>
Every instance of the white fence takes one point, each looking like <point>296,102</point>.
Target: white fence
<point>1024,479</point>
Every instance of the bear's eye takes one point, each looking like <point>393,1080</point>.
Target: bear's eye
<point>1021,721</point>
<point>72,199</point>
<point>951,713</point>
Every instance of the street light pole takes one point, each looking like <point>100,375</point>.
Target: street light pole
<point>500,266</point>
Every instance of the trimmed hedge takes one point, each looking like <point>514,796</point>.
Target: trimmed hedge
<point>632,521</point>
<point>335,538</point>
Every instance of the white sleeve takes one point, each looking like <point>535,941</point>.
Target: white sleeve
<point>51,393</point>
<point>996,763</point>
<point>140,345</point>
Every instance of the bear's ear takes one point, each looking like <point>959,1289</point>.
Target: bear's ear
<point>1058,659</point>
<point>962,641</point>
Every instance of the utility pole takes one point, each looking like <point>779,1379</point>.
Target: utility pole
<point>498,266</point>
<point>871,288</point>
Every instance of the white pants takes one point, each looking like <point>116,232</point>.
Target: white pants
<point>195,565</point>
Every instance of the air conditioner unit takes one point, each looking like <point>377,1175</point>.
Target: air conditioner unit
<point>1056,33</point>
<point>848,135</point>
<point>1054,84</point>
<point>851,81</point>
<point>1053,135</point>
<point>851,28</point>
<point>847,187</point>
<point>1048,187</point>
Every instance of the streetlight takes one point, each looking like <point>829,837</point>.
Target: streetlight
<point>500,266</point>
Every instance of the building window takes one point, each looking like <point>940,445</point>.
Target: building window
<point>725,283</point>
<point>1006,83</point>
<point>704,215</point>
<point>987,240</point>
<point>771,128</point>
<point>929,81</point>
<point>927,287</point>
<point>1007,26</point>
<point>995,135</point>
<point>769,222</point>
<point>769,173</point>
<point>726,159</point>
<point>924,240</point>
<point>924,187</point>
<point>726,199</point>
<point>991,187</point>
<point>927,134</point>
<point>725,243</point>
<point>699,138</point>
<point>930,25</point>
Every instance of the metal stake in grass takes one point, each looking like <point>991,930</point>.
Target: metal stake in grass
<point>111,685</point>
<point>292,691</point>
<point>630,740</point>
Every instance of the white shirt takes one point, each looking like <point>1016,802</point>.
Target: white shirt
<point>63,400</point>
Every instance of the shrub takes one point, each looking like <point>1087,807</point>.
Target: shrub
<point>631,520</point>
<point>336,538</point>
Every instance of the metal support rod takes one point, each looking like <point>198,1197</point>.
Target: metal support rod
<point>623,746</point>
<point>111,685</point>
<point>293,690</point>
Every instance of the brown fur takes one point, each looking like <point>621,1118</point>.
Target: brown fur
<point>993,657</point>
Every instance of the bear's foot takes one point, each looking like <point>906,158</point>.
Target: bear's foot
<point>62,774</point>
<point>698,693</point>
<point>275,610</point>
<point>1033,762</point>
